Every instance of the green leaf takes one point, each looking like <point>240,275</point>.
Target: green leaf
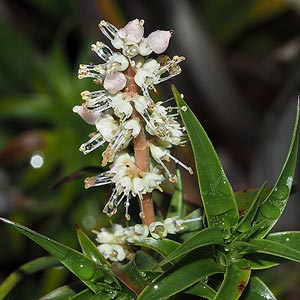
<point>257,290</point>
<point>246,221</point>
<point>289,239</point>
<point>275,249</point>
<point>28,268</point>
<point>180,277</point>
<point>245,198</point>
<point>93,275</point>
<point>235,280</point>
<point>63,292</point>
<point>162,246</point>
<point>208,236</point>
<point>177,205</point>
<point>260,261</point>
<point>203,290</point>
<point>89,248</point>
<point>130,276</point>
<point>84,295</point>
<point>271,209</point>
<point>216,192</point>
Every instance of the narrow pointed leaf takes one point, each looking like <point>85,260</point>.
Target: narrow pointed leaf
<point>130,276</point>
<point>235,280</point>
<point>162,246</point>
<point>89,248</point>
<point>93,275</point>
<point>84,295</point>
<point>203,290</point>
<point>177,205</point>
<point>63,292</point>
<point>28,268</point>
<point>272,208</point>
<point>246,221</point>
<point>208,236</point>
<point>245,198</point>
<point>289,239</point>
<point>260,261</point>
<point>216,192</point>
<point>275,249</point>
<point>257,290</point>
<point>180,277</point>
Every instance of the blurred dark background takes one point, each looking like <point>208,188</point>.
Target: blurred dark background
<point>241,77</point>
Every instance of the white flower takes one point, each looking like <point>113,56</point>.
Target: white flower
<point>107,127</point>
<point>111,235</point>
<point>136,233</point>
<point>158,230</point>
<point>159,154</point>
<point>112,252</point>
<point>173,225</point>
<point>144,47</point>
<point>114,82</point>
<point>123,135</point>
<point>159,40</point>
<point>121,105</point>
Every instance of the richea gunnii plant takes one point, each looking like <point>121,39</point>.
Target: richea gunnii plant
<point>207,253</point>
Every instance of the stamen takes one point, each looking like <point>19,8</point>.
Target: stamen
<point>92,144</point>
<point>192,220</point>
<point>92,71</point>
<point>100,179</point>
<point>127,204</point>
<point>108,29</point>
<point>96,101</point>
<point>189,169</point>
<point>102,50</point>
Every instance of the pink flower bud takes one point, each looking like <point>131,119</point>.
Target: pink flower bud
<point>132,32</point>
<point>159,40</point>
<point>115,82</point>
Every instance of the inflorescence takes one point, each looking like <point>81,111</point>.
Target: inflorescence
<point>122,110</point>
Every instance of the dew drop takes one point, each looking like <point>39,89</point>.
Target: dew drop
<point>184,108</point>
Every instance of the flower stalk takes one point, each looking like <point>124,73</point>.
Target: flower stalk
<point>141,149</point>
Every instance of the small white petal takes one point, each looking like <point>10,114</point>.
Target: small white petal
<point>144,47</point>
<point>119,62</point>
<point>133,125</point>
<point>115,82</point>
<point>141,229</point>
<point>117,42</point>
<point>157,230</point>
<point>159,40</point>
<point>141,76</point>
<point>105,237</point>
<point>137,186</point>
<point>107,126</point>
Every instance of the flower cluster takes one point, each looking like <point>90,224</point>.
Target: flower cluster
<point>115,241</point>
<point>121,114</point>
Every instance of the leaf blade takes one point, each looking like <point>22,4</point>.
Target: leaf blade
<point>203,238</point>
<point>84,268</point>
<point>257,290</point>
<point>272,207</point>
<point>235,280</point>
<point>180,277</point>
<point>216,192</point>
